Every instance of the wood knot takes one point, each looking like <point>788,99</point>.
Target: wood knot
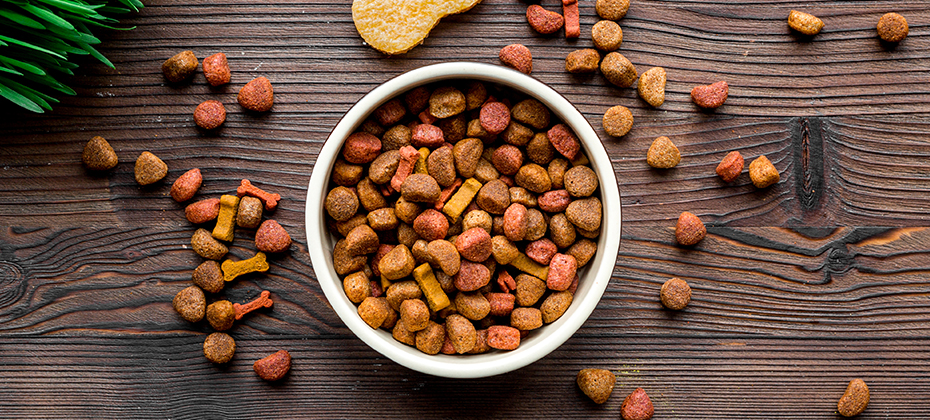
<point>12,283</point>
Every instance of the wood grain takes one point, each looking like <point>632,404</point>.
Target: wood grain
<point>798,288</point>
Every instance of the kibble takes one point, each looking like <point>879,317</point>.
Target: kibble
<point>607,35</point>
<point>618,70</point>
<point>216,69</point>
<point>180,67</point>
<point>663,154</point>
<point>98,155</point>
<point>257,95</point>
<point>612,9</point>
<point>804,23</point>
<point>651,86</point>
<point>763,173</point>
<point>149,169</point>
<point>617,121</point>
<point>210,114</point>
<point>892,27</point>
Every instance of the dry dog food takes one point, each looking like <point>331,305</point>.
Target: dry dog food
<point>270,200</point>
<point>583,61</point>
<point>203,211</point>
<point>855,400</point>
<point>651,86</point>
<point>542,20</point>
<point>804,23</point>
<point>219,347</point>
<point>479,240</point>
<point>663,154</point>
<point>272,238</point>
<point>205,245</point>
<point>221,315</point>
<point>518,57</point>
<point>149,169</point>
<point>180,67</point>
<point>607,35</point>
<point>209,115</point>
<point>892,27</point>
<point>98,155</point>
<point>710,96</point>
<point>273,367</point>
<point>190,303</point>
<point>612,9</point>
<point>394,27</point>
<point>186,185</point>
<point>618,120</point>
<point>209,276</point>
<point>216,69</point>
<point>226,220</point>
<point>249,214</point>
<point>232,269</point>
<point>731,166</point>
<point>572,18</point>
<point>689,230</point>
<point>675,294</point>
<point>257,95</point>
<point>763,173</point>
<point>597,384</point>
<point>637,406</point>
<point>618,70</point>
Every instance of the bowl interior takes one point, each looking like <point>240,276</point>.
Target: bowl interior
<point>594,277</point>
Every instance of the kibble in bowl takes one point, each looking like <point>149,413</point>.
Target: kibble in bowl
<point>499,229</point>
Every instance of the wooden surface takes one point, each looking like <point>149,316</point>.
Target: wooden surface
<point>797,288</point>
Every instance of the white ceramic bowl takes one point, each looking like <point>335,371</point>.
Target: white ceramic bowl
<point>593,278</point>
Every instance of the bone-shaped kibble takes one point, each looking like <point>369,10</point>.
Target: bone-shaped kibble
<point>226,220</point>
<point>270,200</point>
<point>233,269</point>
<point>263,301</point>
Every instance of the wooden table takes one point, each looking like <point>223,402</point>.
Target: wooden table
<point>798,288</point>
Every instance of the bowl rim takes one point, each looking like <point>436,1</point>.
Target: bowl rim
<point>531,349</point>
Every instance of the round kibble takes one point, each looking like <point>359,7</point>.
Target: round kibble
<point>361,147</point>
<point>208,276</point>
<point>474,244</point>
<point>431,225</point>
<point>892,27</point>
<point>580,181</point>
<point>540,149</point>
<point>221,315</point>
<point>347,174</point>
<point>618,121</point>
<point>249,214</point>
<point>396,137</point>
<point>415,314</point>
<point>494,117</point>
<point>341,203</point>
<point>618,70</point>
<point>494,197</point>
<point>190,303</point>
<point>219,347</point>
<point>474,306</point>
<point>210,114</point>
<point>607,35</point>
<point>357,287</point>
<point>477,218</point>
<point>612,9</point>
<point>507,159</point>
<point>675,294</point>
<point>585,213</point>
<point>383,219</point>
<point>271,237</point>
<point>689,230</point>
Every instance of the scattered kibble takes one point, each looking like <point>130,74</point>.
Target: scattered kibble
<point>149,169</point>
<point>597,384</point>
<point>98,155</point>
<point>892,27</point>
<point>805,23</point>
<point>274,366</point>
<point>219,347</point>
<point>763,173</point>
<point>618,121</point>
<point>518,57</point>
<point>257,95</point>
<point>180,67</point>
<point>675,294</point>
<point>689,230</point>
<point>651,86</point>
<point>210,114</point>
<point>663,154</point>
<point>216,69</point>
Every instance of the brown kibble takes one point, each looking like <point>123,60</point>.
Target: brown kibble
<point>507,159</point>
<point>257,95</point>
<point>383,219</point>
<point>763,173</point>
<point>430,339</point>
<point>461,332</point>
<point>618,70</point>
<point>396,137</point>
<point>540,150</point>
<point>341,203</point>
<point>98,155</point>
<point>518,57</point>
<point>420,188</point>
<point>219,347</point>
<point>274,366</point>
<point>390,113</point>
<point>651,86</point>
<point>362,240</point>
<point>444,254</point>
<point>542,20</point>
<point>216,69</point>
<point>534,178</point>
<point>186,185</point>
<point>710,96</point>
<point>466,154</point>
<point>554,306</point>
<point>397,264</point>
<point>205,245</point>
<point>208,276</point>
<point>531,112</point>
<point>347,174</point>
<point>583,61</point>
<point>731,166</point>
<point>637,406</point>
<point>528,289</point>
<point>401,291</point>
<point>526,319</point>
<point>446,102</point>
<point>804,23</point>
<point>417,99</point>
<point>190,303</point>
<point>580,181</point>
<point>541,250</point>
<point>517,134</point>
<point>855,400</point>
<point>374,311</point>
<point>618,121</point>
<point>597,384</point>
<point>209,114</point>
<point>203,211</point>
<point>150,169</point>
<point>607,35</point>
<point>402,334</point>
<point>380,172</point>
<point>612,9</point>
<point>249,214</point>
<point>675,294</point>
<point>441,166</point>
<point>583,251</point>
<point>689,230</point>
<point>892,27</point>
<point>271,237</point>
<point>180,67</point>
<point>357,286</point>
<point>493,197</point>
<point>663,154</point>
<point>585,213</point>
<point>561,231</point>
<point>221,315</point>
<point>415,314</point>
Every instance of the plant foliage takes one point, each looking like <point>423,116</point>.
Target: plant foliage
<point>38,39</point>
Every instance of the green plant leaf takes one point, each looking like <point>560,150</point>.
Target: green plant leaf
<point>22,20</point>
<point>50,82</point>
<point>9,70</point>
<point>18,99</point>
<point>96,54</point>
<point>23,65</point>
<point>71,6</point>
<point>34,47</point>
<point>46,15</point>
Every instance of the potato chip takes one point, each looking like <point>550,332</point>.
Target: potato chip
<point>394,27</point>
